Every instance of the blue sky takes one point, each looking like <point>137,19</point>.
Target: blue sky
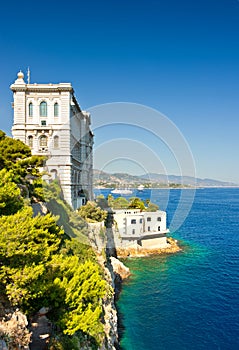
<point>180,58</point>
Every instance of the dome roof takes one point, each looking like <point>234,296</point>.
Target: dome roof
<point>20,75</point>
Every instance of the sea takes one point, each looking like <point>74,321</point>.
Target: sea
<point>187,300</point>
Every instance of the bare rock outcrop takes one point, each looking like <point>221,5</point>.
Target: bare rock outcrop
<point>119,268</point>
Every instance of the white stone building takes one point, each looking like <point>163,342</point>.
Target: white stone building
<point>48,118</point>
<point>147,229</point>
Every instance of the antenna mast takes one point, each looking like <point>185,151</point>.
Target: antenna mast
<point>28,75</point>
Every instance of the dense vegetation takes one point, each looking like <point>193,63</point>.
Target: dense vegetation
<point>92,212</point>
<point>40,264</point>
<point>123,203</point>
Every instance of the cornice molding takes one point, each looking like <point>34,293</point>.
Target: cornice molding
<point>38,88</point>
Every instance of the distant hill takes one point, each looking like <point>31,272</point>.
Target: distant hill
<point>103,179</point>
<point>185,180</point>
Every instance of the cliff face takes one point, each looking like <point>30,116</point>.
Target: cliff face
<point>115,273</point>
<point>110,315</point>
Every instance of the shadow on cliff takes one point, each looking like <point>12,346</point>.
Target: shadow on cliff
<point>111,252</point>
<point>110,240</point>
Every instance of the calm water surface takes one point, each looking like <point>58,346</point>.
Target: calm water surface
<point>189,300</point>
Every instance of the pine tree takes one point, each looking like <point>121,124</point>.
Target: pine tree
<point>10,194</point>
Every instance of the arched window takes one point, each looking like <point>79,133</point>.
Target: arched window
<point>43,141</point>
<point>56,142</point>
<point>30,109</point>
<point>30,141</point>
<point>43,109</point>
<point>53,174</point>
<point>56,110</point>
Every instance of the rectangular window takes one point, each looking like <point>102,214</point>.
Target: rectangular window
<point>133,221</point>
<point>159,218</point>
<point>140,221</point>
<point>148,228</point>
<point>133,231</point>
<point>158,228</point>
<point>148,219</point>
<point>43,123</point>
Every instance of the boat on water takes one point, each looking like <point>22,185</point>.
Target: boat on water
<point>140,188</point>
<point>121,191</point>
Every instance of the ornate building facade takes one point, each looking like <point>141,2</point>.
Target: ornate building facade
<point>48,118</point>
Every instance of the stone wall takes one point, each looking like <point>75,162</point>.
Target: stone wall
<point>160,242</point>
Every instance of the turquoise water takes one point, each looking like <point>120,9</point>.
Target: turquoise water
<point>189,300</point>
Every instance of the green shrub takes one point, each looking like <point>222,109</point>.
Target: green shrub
<point>92,213</point>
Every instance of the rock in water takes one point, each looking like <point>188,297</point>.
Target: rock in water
<point>119,268</point>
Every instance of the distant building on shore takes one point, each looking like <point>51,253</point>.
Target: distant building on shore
<point>48,118</point>
<point>141,228</point>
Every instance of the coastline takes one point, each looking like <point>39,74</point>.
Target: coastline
<point>132,252</point>
<point>171,188</point>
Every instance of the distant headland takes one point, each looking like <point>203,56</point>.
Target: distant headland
<point>103,179</point>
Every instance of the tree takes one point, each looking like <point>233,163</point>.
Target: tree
<point>25,239</point>
<point>16,157</point>
<point>10,195</point>
<point>136,203</point>
<point>110,200</point>
<point>84,288</point>
<point>27,245</point>
<point>102,202</point>
<point>12,149</point>
<point>152,207</point>
<point>120,203</point>
<point>92,213</point>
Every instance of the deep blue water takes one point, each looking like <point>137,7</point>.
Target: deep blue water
<point>189,300</point>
